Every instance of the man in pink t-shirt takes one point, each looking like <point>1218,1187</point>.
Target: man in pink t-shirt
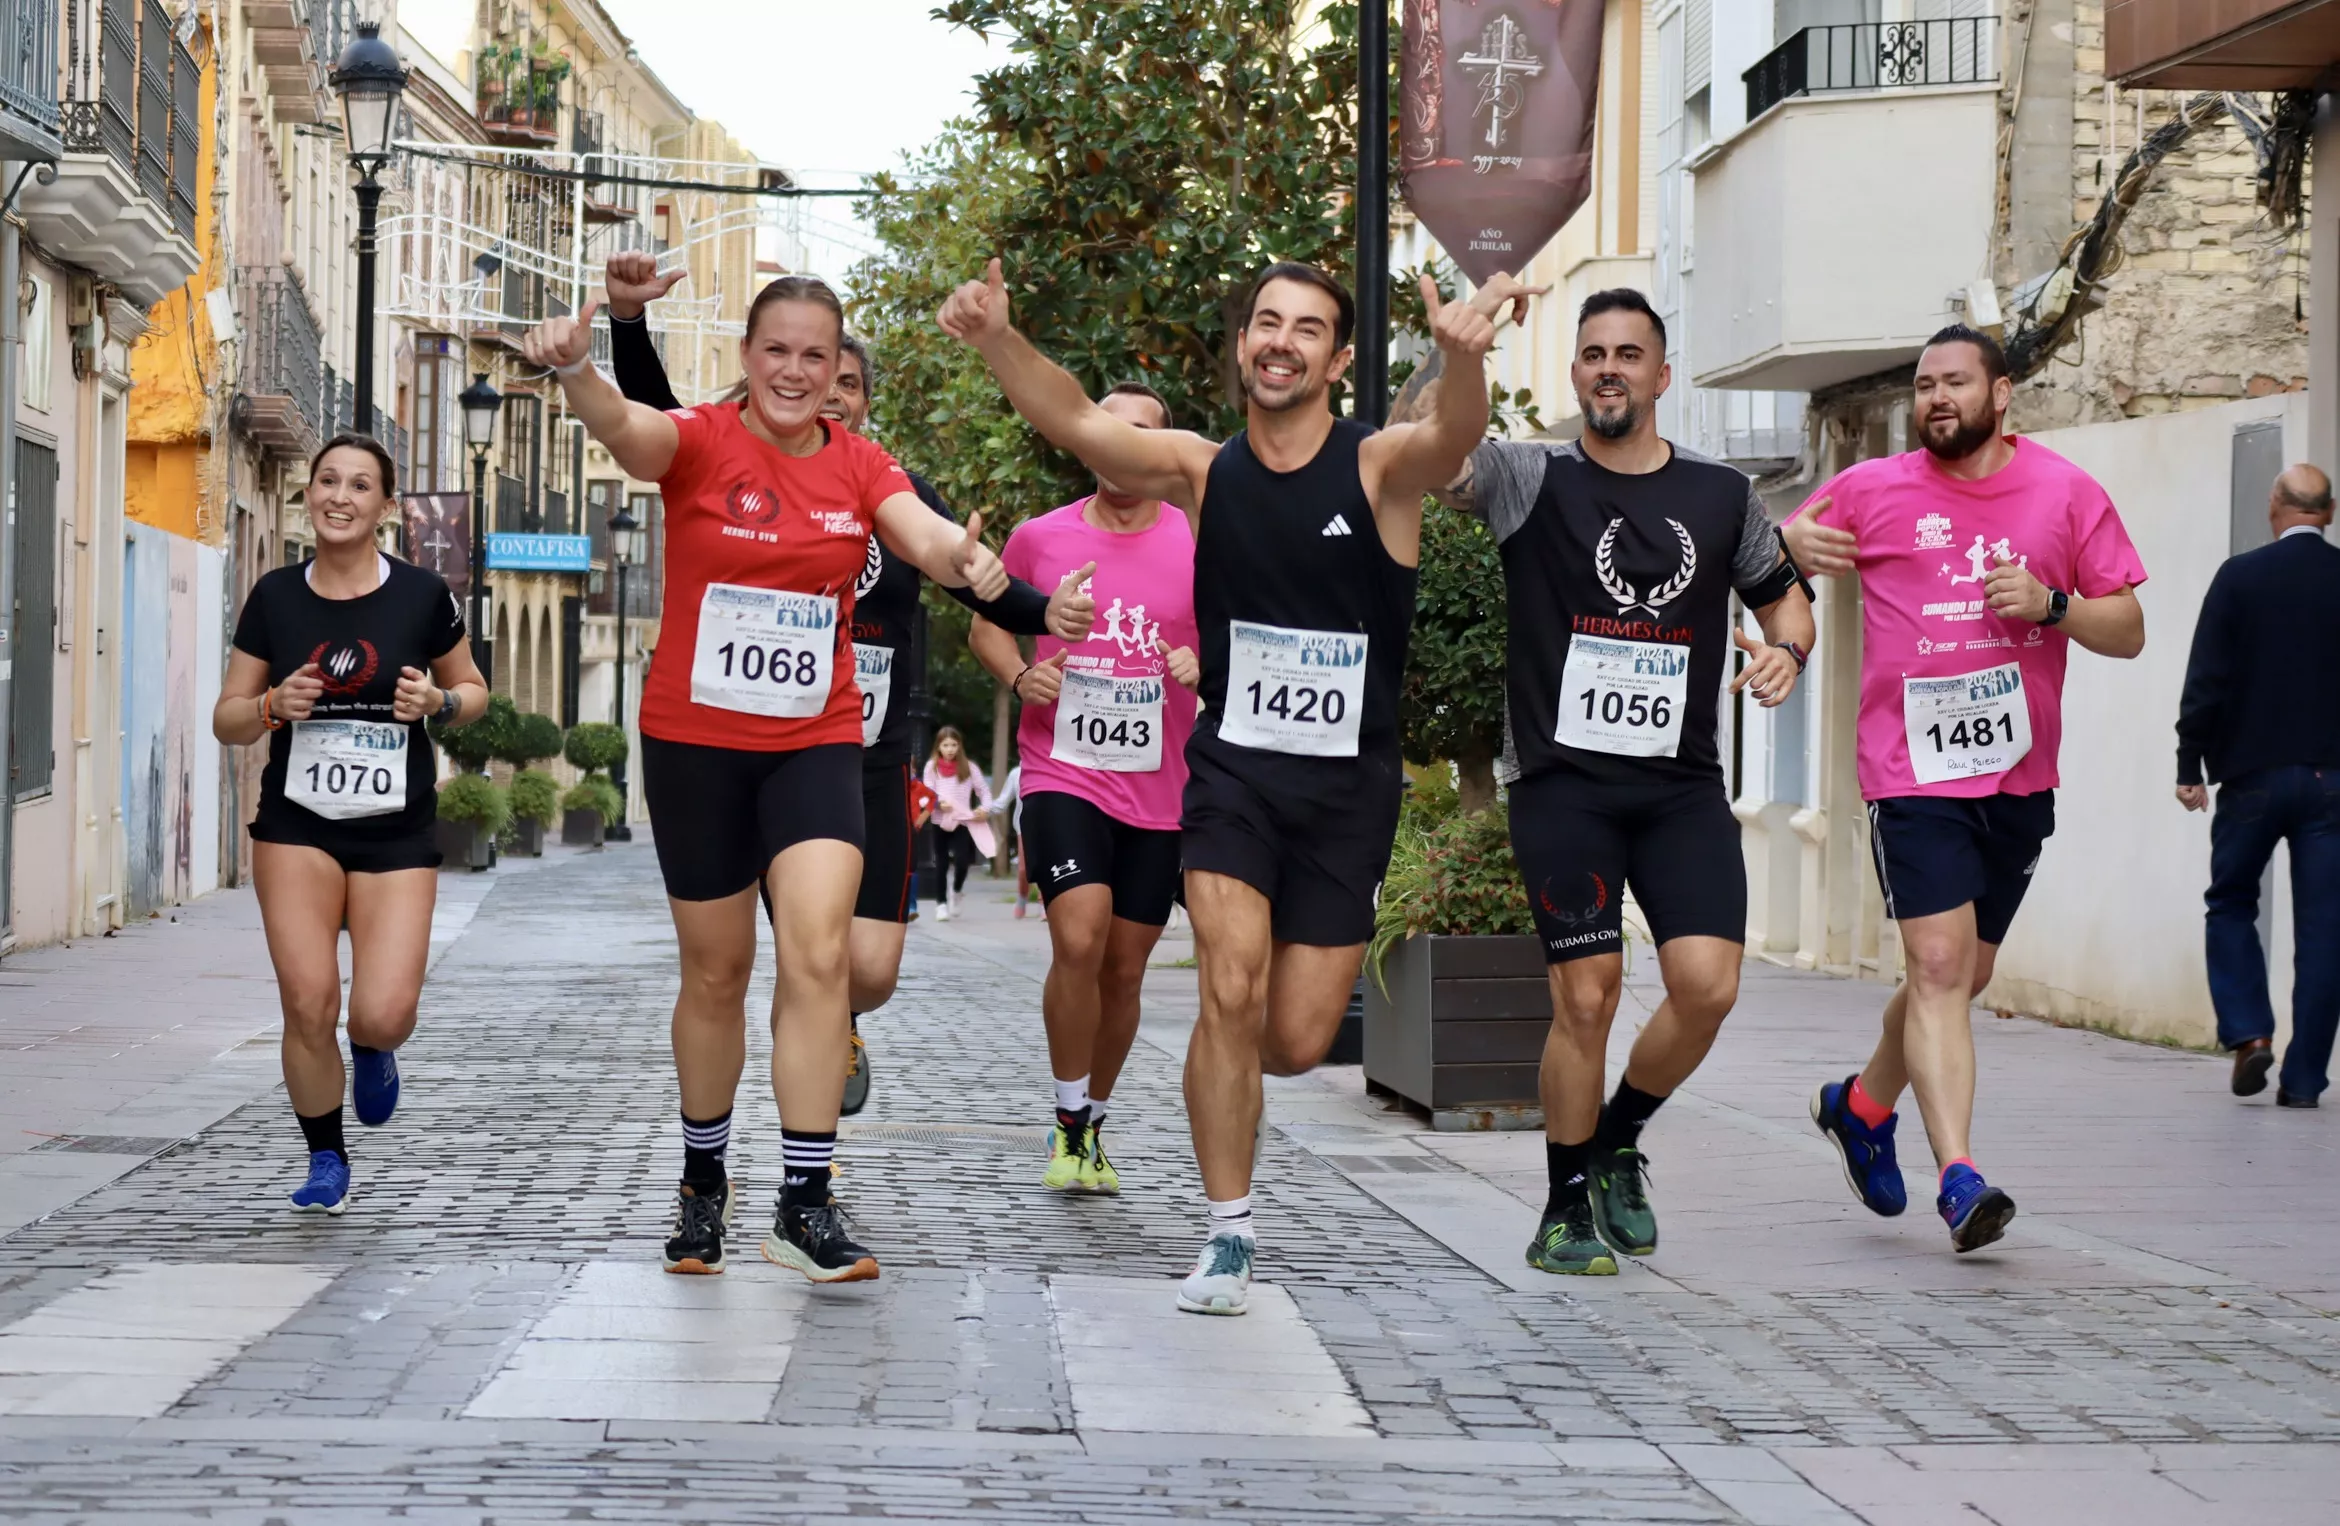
<point>1982,557</point>
<point>1103,745</point>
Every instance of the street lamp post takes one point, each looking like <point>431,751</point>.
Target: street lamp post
<point>369,78</point>
<point>625,549</point>
<point>1370,374</point>
<point>481,403</point>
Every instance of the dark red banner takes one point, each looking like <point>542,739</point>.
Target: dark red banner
<point>436,534</point>
<point>1497,105</point>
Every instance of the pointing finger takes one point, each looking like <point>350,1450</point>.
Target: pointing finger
<point>1746,645</point>
<point>993,278</point>
<point>1073,580</point>
<point>1432,303</point>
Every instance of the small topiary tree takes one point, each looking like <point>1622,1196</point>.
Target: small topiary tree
<point>472,747</point>
<point>596,746</point>
<point>534,738</point>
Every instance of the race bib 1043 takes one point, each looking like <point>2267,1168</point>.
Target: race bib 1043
<point>1623,697</point>
<point>764,651</point>
<point>346,769</point>
<point>1294,691</point>
<point>873,670</point>
<point>1112,725</point>
<point>1966,726</point>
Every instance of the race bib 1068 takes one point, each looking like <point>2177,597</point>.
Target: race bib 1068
<point>1112,725</point>
<point>1623,697</point>
<point>1966,726</point>
<point>1294,691</point>
<point>346,769</point>
<point>873,670</point>
<point>764,651</point>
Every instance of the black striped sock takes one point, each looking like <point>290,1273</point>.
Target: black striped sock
<point>804,1159</point>
<point>706,1143</point>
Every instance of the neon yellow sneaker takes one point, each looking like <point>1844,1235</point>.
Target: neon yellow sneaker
<point>1097,1173</point>
<point>1067,1155</point>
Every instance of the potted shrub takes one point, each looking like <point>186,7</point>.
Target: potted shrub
<point>1458,1004</point>
<point>529,740</point>
<point>473,747</point>
<point>588,808</point>
<point>471,811</point>
<point>595,747</point>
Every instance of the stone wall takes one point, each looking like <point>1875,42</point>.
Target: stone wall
<point>2209,304</point>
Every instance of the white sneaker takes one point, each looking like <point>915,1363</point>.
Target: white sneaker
<point>1221,1280</point>
<point>942,911</point>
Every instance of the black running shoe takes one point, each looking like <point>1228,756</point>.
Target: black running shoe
<point>702,1218</point>
<point>817,1241</point>
<point>856,1074</point>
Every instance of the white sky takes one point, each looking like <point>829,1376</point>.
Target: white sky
<point>830,88</point>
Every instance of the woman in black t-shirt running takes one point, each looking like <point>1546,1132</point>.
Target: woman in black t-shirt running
<point>338,663</point>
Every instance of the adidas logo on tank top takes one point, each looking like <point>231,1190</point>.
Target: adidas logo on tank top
<point>1339,526</point>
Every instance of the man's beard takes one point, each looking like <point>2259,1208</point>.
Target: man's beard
<point>1971,435</point>
<point>1303,391</point>
<point>1615,425</point>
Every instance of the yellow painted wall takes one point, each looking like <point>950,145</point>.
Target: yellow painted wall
<point>170,367</point>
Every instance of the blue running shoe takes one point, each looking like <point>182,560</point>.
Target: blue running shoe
<point>1869,1163</point>
<point>373,1084</point>
<point>327,1189</point>
<point>1976,1211</point>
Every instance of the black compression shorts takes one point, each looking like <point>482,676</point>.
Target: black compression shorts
<point>886,859</point>
<point>357,855</point>
<point>1580,842</point>
<point>720,815</point>
<point>1070,842</point>
<point>1310,834</point>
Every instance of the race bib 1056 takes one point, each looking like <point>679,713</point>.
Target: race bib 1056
<point>1623,697</point>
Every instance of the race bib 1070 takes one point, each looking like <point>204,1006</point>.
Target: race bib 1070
<point>343,770</point>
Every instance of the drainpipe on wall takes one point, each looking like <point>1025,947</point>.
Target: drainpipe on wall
<point>11,331</point>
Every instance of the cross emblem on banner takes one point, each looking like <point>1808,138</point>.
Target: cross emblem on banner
<point>1501,61</point>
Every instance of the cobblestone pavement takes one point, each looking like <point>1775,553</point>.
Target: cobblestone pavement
<point>485,1335</point>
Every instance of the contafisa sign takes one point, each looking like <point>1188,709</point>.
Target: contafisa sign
<point>540,553</point>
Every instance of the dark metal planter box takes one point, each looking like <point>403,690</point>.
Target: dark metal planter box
<point>581,829</point>
<point>1462,1027</point>
<point>465,845</point>
<point>530,833</point>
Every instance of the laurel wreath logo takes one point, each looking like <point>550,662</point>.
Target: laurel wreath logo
<point>1605,568</point>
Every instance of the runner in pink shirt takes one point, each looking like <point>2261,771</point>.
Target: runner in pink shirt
<point>1982,557</point>
<point>1103,744</point>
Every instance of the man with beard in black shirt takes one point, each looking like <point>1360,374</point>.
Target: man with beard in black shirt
<point>1621,553</point>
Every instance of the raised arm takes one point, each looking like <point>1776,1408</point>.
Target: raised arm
<point>640,439</point>
<point>940,549</point>
<point>1447,416</point>
<point>1169,464</point>
<point>1022,610</point>
<point>633,281</point>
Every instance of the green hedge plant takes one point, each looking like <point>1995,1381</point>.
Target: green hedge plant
<point>596,794</point>
<point>476,799</point>
<point>474,746</point>
<point>595,746</point>
<point>535,797</point>
<point>533,739</point>
<point>1448,876</point>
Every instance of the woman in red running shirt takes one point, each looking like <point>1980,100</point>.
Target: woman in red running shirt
<point>751,732</point>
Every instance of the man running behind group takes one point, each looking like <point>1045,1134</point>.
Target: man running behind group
<point>1103,741</point>
<point>885,614</point>
<point>1620,555</point>
<point>1983,557</point>
<point>1304,599</point>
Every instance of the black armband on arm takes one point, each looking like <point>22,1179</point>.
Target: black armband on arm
<point>1773,586</point>
<point>1021,611</point>
<point>641,376</point>
<point>1794,574</point>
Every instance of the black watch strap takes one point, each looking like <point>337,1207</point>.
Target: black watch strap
<point>449,706</point>
<point>2059,605</point>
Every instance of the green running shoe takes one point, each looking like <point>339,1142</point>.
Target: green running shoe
<point>1567,1244</point>
<point>1068,1156</point>
<point>1097,1173</point>
<point>1620,1201</point>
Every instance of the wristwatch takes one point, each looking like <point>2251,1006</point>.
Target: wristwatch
<point>448,706</point>
<point>2059,605</point>
<point>1802,657</point>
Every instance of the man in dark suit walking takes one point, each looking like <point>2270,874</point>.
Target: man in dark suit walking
<point>2261,714</point>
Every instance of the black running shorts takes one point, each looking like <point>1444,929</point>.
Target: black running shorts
<point>1070,842</point>
<point>1310,834</point>
<point>356,855</point>
<point>885,851</point>
<point>1935,855</point>
<point>1581,842</point>
<point>720,815</point>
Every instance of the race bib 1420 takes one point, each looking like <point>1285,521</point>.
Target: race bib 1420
<point>1294,691</point>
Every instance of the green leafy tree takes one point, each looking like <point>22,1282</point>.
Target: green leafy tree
<point>595,746</point>
<point>474,746</point>
<point>533,738</point>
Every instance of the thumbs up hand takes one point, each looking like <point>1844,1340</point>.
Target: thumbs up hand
<point>1770,670</point>
<point>1071,609</point>
<point>1040,683</point>
<point>1821,550</point>
<point>1183,664</point>
<point>978,563</point>
<point>978,310</point>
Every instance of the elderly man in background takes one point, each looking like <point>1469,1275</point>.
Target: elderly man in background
<point>2261,716</point>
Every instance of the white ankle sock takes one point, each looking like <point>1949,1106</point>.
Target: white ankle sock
<point>1232,1217</point>
<point>1072,1096</point>
<point>1096,1111</point>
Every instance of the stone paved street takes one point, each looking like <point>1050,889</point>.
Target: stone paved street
<point>485,1336</point>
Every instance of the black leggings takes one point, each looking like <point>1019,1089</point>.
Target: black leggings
<point>954,855</point>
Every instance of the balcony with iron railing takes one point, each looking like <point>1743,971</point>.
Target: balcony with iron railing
<point>280,382</point>
<point>519,92</point>
<point>31,126</point>
<point>122,202</point>
<point>1813,289</point>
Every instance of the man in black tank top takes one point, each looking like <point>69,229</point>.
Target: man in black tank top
<point>1304,594</point>
<point>1621,554</point>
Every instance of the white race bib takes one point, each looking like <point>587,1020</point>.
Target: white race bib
<point>764,651</point>
<point>347,769</point>
<point>1623,697</point>
<point>873,670</point>
<point>1112,725</point>
<point>1294,691</point>
<point>1964,727</point>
